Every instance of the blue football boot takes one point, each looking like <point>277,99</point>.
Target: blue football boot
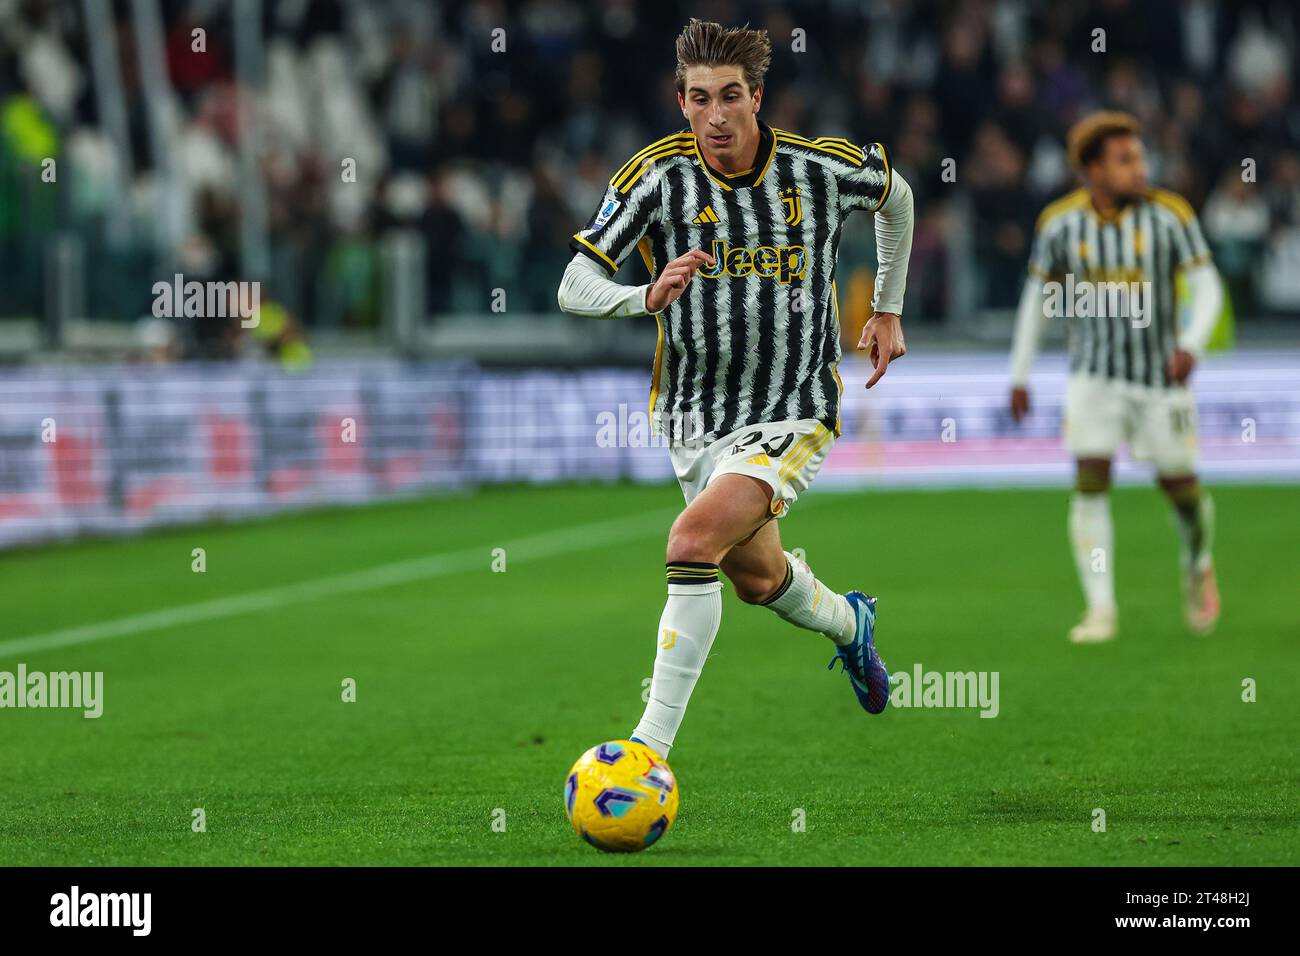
<point>867,671</point>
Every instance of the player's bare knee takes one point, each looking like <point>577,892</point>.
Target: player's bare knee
<point>1092,476</point>
<point>1092,485</point>
<point>686,542</point>
<point>1180,489</point>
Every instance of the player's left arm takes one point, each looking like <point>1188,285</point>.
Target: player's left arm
<point>876,187</point>
<point>883,332</point>
<point>1200,312</point>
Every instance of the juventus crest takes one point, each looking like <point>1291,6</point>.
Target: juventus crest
<point>793,205</point>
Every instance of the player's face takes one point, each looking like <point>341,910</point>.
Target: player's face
<point>1122,169</point>
<point>722,111</point>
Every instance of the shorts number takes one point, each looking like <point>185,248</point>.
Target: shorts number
<point>775,451</point>
<point>1180,419</point>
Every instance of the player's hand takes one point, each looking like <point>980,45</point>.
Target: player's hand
<point>1019,403</point>
<point>674,279</point>
<point>883,334</point>
<point>1180,366</point>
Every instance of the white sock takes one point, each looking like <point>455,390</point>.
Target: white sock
<point>806,602</point>
<point>1093,538</point>
<point>687,628</point>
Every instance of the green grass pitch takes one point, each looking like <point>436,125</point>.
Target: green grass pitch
<point>476,690</point>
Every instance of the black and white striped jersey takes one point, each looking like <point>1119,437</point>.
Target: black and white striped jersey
<point>1141,247</point>
<point>754,338</point>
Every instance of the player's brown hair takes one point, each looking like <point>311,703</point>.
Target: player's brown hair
<point>703,43</point>
<point>1087,138</point>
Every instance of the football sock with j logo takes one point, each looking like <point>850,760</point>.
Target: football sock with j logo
<point>687,628</point>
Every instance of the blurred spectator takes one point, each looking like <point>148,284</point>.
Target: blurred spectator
<point>405,115</point>
<point>1235,220</point>
<point>1004,214</point>
<point>1280,272</point>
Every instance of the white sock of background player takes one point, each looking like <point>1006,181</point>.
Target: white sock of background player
<point>1092,537</point>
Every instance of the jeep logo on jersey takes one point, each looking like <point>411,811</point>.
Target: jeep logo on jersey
<point>783,262</point>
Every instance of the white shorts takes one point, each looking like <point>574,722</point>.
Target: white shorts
<point>787,455</point>
<point>1158,423</point>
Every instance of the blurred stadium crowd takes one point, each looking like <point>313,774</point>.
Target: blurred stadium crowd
<point>497,157</point>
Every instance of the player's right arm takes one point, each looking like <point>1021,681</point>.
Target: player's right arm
<point>630,208</point>
<point>585,290</point>
<point>1029,317</point>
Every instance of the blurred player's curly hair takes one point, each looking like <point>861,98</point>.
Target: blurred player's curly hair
<point>1087,138</point>
<point>703,43</point>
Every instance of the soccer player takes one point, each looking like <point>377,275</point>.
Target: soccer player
<point>739,226</point>
<point>1119,245</point>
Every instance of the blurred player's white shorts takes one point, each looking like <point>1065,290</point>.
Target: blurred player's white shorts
<point>1158,423</point>
<point>787,455</point>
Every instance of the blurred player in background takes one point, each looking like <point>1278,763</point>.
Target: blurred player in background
<point>739,225</point>
<point>1129,366</point>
